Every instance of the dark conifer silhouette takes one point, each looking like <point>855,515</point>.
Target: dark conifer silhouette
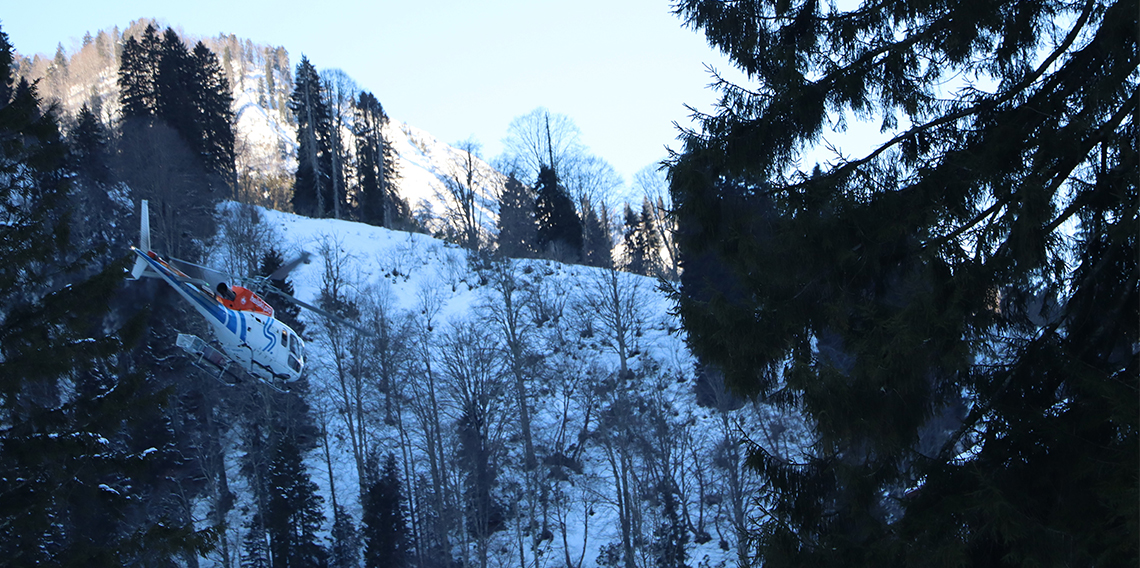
<point>138,75</point>
<point>175,88</point>
<point>376,171</point>
<point>312,186</point>
<point>88,145</point>
<point>559,233</point>
<point>383,526</point>
<point>213,103</point>
<point>641,240</point>
<point>597,247</point>
<point>74,487</point>
<point>176,142</point>
<point>518,233</point>
<point>955,309</point>
<point>293,508</point>
<point>344,541</point>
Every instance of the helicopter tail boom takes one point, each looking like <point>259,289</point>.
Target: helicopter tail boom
<point>141,265</point>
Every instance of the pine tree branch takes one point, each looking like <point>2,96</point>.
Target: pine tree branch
<point>1059,175</point>
<point>974,109</point>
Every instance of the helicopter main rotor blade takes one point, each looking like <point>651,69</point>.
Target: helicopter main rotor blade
<point>206,275</point>
<point>322,312</point>
<point>288,267</point>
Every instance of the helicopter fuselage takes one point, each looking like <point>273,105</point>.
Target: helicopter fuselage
<point>252,338</point>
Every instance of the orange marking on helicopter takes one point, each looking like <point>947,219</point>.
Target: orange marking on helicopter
<point>246,301</point>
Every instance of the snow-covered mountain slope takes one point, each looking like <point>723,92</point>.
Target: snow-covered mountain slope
<point>426,164</point>
<point>597,432</point>
<point>261,77</point>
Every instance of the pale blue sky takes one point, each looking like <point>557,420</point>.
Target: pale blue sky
<point>621,69</point>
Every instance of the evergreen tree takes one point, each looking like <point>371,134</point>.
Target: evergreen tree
<point>176,142</point>
<point>517,228</point>
<point>88,145</point>
<point>94,222</point>
<point>213,103</point>
<point>635,261</point>
<point>274,430</point>
<point>255,546</point>
<point>194,97</point>
<point>312,186</point>
<point>57,72</point>
<point>270,86</point>
<point>73,484</point>
<point>7,64</point>
<point>138,75</point>
<point>286,512</point>
<point>559,232</point>
<point>383,528</point>
<point>102,45</point>
<point>597,246</point>
<point>175,89</point>
<point>344,542</point>
<point>649,240</point>
<point>293,508</point>
<point>376,164</point>
<point>641,240</point>
<point>955,310</point>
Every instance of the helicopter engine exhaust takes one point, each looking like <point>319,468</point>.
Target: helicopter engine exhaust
<point>225,291</point>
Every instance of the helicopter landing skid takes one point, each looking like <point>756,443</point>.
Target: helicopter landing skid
<point>217,364</point>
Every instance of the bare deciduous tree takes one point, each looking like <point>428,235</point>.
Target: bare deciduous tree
<point>614,299</point>
<point>441,516</point>
<point>348,349</point>
<point>466,186</point>
<point>243,240</point>
<point>590,178</point>
<point>541,137</point>
<point>472,365</point>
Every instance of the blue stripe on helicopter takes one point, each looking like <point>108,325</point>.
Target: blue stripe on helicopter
<point>243,326</point>
<point>272,337</point>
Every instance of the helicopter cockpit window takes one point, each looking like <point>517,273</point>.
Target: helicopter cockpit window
<point>294,345</point>
<point>284,337</point>
<point>294,364</point>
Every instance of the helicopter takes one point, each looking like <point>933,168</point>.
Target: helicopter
<point>253,343</point>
